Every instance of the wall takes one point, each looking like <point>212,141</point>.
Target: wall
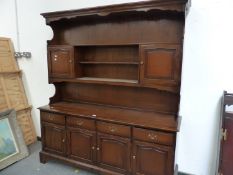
<point>206,68</point>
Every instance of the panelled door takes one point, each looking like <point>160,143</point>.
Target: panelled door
<point>81,145</point>
<point>54,138</point>
<point>160,64</point>
<point>152,159</point>
<point>113,153</point>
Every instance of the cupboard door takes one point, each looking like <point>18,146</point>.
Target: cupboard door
<point>54,138</point>
<point>81,145</point>
<point>113,153</point>
<point>160,64</point>
<point>61,61</point>
<point>152,159</point>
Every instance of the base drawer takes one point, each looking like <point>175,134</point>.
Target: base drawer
<point>153,136</point>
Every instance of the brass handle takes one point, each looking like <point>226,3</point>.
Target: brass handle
<point>97,148</point>
<point>70,61</point>
<point>134,157</point>
<point>93,147</point>
<point>141,62</point>
<point>152,136</point>
<point>80,123</point>
<point>55,56</point>
<point>112,128</point>
<point>93,115</point>
<point>63,140</point>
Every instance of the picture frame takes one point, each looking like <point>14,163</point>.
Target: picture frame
<point>12,144</point>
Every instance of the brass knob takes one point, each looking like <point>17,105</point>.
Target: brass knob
<point>70,61</point>
<point>63,140</point>
<point>141,62</point>
<point>134,157</point>
<point>93,115</point>
<point>55,59</point>
<point>55,56</point>
<point>97,148</point>
<point>93,147</point>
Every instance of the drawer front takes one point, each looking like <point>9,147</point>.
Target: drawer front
<point>53,118</point>
<point>153,136</point>
<point>81,123</point>
<point>113,129</point>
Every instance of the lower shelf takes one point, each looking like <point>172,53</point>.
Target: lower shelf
<point>107,80</point>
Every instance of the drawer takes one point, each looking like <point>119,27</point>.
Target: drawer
<point>113,129</point>
<point>53,118</point>
<point>81,123</point>
<point>153,136</point>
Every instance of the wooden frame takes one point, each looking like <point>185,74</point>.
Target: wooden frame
<point>12,93</point>
<point>14,139</point>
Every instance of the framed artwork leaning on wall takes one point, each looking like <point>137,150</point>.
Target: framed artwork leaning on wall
<point>12,145</point>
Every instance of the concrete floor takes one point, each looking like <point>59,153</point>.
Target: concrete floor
<point>32,166</point>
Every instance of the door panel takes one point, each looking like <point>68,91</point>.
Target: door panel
<point>152,159</point>
<point>113,153</point>
<point>54,138</point>
<point>81,145</point>
<point>160,64</point>
<point>61,61</point>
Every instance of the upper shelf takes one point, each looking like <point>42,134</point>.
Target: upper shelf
<point>144,6</point>
<point>109,62</point>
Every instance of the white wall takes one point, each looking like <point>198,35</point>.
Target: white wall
<point>206,68</point>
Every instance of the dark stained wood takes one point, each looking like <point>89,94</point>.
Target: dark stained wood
<point>60,61</point>
<point>81,145</point>
<point>113,153</point>
<point>116,115</point>
<point>152,159</point>
<point>117,71</point>
<point>154,136</point>
<point>160,64</point>
<point>163,5</point>
<point>226,125</point>
<point>53,118</point>
<point>114,129</point>
<point>130,97</point>
<point>53,138</point>
<point>81,123</point>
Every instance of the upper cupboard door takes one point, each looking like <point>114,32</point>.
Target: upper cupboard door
<point>61,61</point>
<point>160,65</point>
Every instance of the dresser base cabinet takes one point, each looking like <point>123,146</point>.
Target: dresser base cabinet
<point>117,74</point>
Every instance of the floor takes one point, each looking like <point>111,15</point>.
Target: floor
<point>32,166</point>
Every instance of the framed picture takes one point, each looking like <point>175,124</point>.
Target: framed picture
<point>12,145</point>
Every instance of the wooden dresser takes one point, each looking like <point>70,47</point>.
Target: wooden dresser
<point>116,70</point>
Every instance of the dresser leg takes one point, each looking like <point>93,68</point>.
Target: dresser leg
<point>43,158</point>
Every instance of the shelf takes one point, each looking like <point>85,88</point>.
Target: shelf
<point>108,62</point>
<point>107,80</point>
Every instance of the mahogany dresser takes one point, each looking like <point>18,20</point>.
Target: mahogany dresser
<point>117,73</point>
